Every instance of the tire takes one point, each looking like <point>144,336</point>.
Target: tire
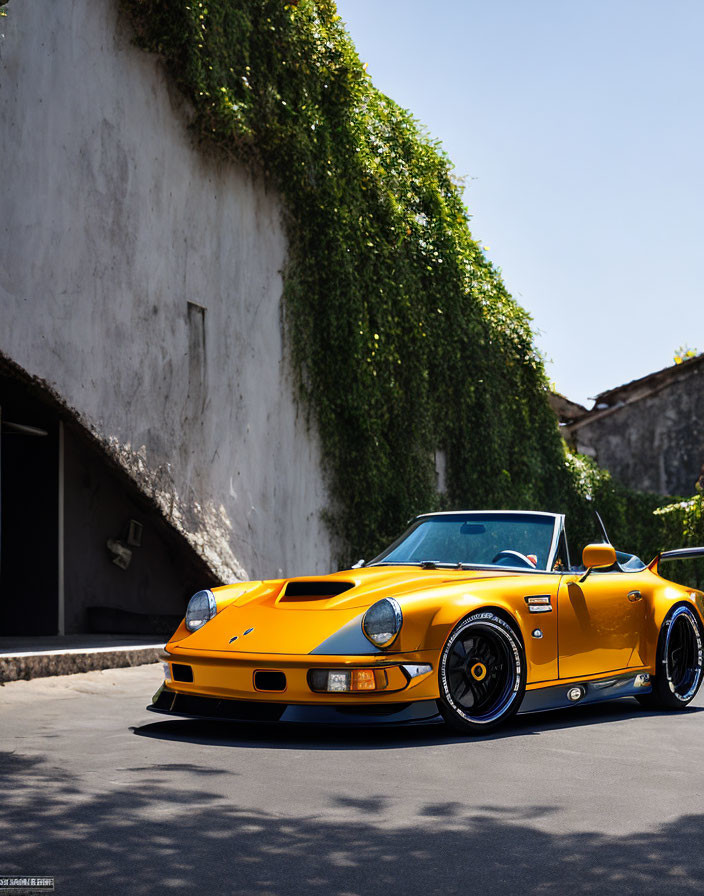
<point>482,674</point>
<point>679,663</point>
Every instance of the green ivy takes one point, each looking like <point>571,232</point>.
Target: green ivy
<point>630,516</point>
<point>404,338</point>
<point>682,526</point>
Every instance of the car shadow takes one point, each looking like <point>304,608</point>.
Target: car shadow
<point>290,736</point>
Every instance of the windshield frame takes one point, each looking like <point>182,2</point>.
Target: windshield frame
<point>558,528</point>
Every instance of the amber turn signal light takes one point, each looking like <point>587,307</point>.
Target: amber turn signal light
<point>363,680</point>
<point>347,680</point>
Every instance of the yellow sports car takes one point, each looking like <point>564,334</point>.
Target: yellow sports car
<point>469,617</point>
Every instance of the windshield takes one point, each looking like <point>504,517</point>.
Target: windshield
<point>482,539</point>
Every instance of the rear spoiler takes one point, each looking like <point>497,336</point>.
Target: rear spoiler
<point>678,554</point>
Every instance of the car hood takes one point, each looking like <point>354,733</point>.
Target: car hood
<point>297,616</point>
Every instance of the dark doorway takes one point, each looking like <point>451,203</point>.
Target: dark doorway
<point>81,548</point>
<point>29,513</point>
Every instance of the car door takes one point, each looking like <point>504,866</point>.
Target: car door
<point>601,623</point>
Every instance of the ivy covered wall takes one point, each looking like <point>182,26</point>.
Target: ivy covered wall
<point>403,336</point>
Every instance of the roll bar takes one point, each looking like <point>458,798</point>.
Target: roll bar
<point>677,554</point>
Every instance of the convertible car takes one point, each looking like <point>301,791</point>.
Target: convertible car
<point>469,617</point>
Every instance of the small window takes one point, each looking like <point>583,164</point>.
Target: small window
<point>562,558</point>
<point>197,362</point>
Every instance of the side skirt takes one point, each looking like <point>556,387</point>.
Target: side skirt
<point>559,696</point>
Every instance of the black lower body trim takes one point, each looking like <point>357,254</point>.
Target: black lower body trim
<point>214,708</point>
<point>607,688</point>
<point>421,712</point>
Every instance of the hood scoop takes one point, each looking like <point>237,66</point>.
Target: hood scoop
<point>318,589</point>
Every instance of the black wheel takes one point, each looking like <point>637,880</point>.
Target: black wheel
<point>482,674</point>
<point>679,661</point>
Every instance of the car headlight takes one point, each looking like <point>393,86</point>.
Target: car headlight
<point>382,622</point>
<point>201,609</point>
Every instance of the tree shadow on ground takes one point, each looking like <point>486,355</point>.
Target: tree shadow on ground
<point>157,839</point>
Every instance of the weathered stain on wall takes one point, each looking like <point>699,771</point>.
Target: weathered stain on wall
<point>650,433</point>
<point>140,279</point>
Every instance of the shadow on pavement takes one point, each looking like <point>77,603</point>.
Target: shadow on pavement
<point>315,737</point>
<point>156,839</point>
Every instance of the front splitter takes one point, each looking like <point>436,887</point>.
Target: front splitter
<point>167,702</point>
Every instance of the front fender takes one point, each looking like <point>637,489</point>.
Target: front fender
<point>540,650</point>
<point>447,616</point>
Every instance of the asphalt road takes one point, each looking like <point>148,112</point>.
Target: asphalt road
<point>110,799</point>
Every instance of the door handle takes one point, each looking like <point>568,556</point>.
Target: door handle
<point>633,596</point>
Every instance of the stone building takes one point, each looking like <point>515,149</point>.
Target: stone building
<point>649,433</point>
<point>564,408</point>
<point>151,442</point>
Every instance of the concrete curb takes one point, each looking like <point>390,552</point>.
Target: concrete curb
<point>23,666</point>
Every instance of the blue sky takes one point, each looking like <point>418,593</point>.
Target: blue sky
<point>580,132</point>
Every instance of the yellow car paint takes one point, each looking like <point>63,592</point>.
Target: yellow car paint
<point>592,628</point>
<point>273,642</point>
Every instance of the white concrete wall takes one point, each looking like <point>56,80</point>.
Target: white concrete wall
<point>111,221</point>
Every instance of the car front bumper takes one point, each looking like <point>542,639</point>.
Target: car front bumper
<point>239,677</point>
<point>222,686</point>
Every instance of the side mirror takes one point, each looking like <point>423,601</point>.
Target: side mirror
<point>597,556</point>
